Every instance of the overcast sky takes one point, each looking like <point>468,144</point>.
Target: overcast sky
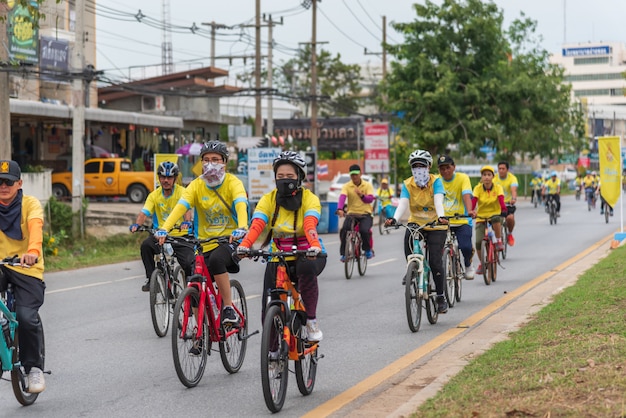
<point>349,26</point>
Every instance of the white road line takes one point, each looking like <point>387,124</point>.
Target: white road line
<point>382,262</point>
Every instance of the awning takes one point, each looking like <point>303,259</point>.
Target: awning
<point>33,108</point>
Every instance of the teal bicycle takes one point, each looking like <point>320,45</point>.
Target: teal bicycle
<point>9,345</point>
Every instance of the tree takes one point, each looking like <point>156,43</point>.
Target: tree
<point>459,78</point>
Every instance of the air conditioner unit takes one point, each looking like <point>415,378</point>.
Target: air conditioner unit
<point>152,104</point>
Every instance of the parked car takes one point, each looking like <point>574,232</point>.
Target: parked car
<point>341,179</point>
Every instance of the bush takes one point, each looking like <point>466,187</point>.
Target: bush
<point>59,215</point>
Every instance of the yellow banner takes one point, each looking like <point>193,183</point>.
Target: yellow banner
<point>160,158</point>
<point>609,153</point>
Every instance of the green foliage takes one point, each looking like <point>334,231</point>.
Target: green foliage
<point>59,216</point>
<point>459,78</point>
<point>51,242</point>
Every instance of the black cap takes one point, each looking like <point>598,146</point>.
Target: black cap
<point>445,159</point>
<point>10,170</point>
<point>354,167</point>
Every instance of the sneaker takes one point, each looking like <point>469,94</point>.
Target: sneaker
<point>196,348</point>
<point>510,240</point>
<point>36,382</point>
<point>369,254</point>
<point>469,272</point>
<point>313,330</point>
<point>229,316</point>
<point>342,258</point>
<point>479,270</point>
<point>146,286</point>
<point>558,214</point>
<point>442,305</point>
<point>500,245</point>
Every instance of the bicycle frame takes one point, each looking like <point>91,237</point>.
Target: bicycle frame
<point>6,352</point>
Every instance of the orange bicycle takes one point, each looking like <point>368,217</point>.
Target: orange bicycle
<point>284,335</point>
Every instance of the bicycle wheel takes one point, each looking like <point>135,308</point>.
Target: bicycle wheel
<point>535,199</point>
<point>411,296</point>
<point>159,303</point>
<point>18,374</point>
<point>449,276</point>
<point>349,255</point>
<point>484,261</point>
<point>458,278</point>
<point>233,348</point>
<point>178,284</point>
<point>505,239</point>
<point>381,222</point>
<point>361,259</point>
<point>306,366</point>
<point>431,301</point>
<point>274,359</point>
<point>189,352</point>
<point>493,263</point>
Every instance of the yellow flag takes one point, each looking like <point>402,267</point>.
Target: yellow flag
<point>161,158</point>
<point>610,153</point>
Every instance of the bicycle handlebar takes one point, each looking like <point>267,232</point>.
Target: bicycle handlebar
<point>257,254</point>
<point>14,261</point>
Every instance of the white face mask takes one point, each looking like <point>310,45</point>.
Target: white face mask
<point>213,173</point>
<point>421,175</point>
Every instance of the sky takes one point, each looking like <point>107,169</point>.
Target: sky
<point>348,26</point>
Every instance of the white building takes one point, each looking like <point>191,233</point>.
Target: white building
<point>595,70</point>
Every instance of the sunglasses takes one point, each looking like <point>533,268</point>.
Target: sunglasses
<point>7,182</point>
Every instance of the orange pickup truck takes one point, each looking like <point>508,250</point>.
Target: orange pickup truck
<point>107,177</point>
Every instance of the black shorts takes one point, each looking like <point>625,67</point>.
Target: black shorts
<point>510,209</point>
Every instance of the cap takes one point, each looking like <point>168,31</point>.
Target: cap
<point>355,169</point>
<point>445,159</point>
<point>10,170</point>
<point>384,181</point>
<point>488,168</point>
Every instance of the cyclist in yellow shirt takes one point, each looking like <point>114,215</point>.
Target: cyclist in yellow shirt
<point>590,184</point>
<point>509,184</point>
<point>552,190</point>
<point>488,202</point>
<point>384,195</point>
<point>360,195</point>
<point>536,183</point>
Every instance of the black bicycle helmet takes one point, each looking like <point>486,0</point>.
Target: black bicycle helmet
<point>168,169</point>
<point>294,158</point>
<point>216,147</point>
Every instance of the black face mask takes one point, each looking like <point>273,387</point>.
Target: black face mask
<point>288,195</point>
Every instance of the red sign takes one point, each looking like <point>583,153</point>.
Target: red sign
<point>376,147</point>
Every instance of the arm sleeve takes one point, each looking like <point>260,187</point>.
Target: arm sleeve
<point>310,231</point>
<point>342,201</point>
<point>241,208</point>
<point>258,225</point>
<point>368,198</point>
<point>474,201</point>
<point>35,236</point>
<point>439,205</point>
<point>402,206</point>
<point>502,205</point>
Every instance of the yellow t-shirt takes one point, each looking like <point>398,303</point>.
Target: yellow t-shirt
<point>283,229</point>
<point>422,200</point>
<point>590,181</point>
<point>355,205</point>
<point>552,186</point>
<point>456,188</point>
<point>509,181</point>
<point>158,207</point>
<point>487,205</point>
<point>536,183</point>
<point>211,217</point>
<point>31,209</point>
<point>384,195</point>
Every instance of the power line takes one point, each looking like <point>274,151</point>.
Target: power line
<point>338,29</point>
<point>361,23</point>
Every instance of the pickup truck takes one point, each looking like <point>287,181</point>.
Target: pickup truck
<point>107,177</point>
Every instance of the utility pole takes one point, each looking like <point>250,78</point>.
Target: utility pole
<point>314,83</point>
<point>258,118</point>
<point>214,26</point>
<point>78,123</point>
<point>5,103</point>
<point>270,43</point>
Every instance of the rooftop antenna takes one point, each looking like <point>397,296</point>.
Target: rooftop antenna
<point>167,59</point>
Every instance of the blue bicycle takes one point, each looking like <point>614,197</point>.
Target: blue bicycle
<point>9,345</point>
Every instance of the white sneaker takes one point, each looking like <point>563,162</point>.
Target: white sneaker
<point>313,331</point>
<point>469,272</point>
<point>36,382</point>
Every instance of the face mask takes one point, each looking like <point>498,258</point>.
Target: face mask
<point>213,173</point>
<point>287,187</point>
<point>421,175</point>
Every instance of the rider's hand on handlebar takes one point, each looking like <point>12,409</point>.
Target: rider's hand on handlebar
<point>242,251</point>
<point>442,220</point>
<point>238,234</point>
<point>185,226</point>
<point>390,222</point>
<point>340,213</point>
<point>160,235</point>
<point>312,252</point>
<point>133,227</point>
<point>28,259</point>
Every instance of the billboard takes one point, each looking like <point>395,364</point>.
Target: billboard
<point>22,34</point>
<point>333,134</point>
<point>54,58</point>
<point>376,147</point>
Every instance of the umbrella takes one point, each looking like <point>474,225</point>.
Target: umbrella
<point>193,148</point>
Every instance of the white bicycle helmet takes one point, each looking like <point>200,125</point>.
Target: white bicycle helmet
<point>294,158</point>
<point>216,147</point>
<point>421,156</point>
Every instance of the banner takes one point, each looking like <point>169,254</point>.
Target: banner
<point>609,150</point>
<point>376,148</point>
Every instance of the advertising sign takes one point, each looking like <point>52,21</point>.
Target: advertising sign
<point>260,173</point>
<point>610,168</point>
<point>54,57</point>
<point>23,34</point>
<point>376,148</point>
<point>333,134</point>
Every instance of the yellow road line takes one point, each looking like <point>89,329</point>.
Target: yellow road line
<point>344,398</point>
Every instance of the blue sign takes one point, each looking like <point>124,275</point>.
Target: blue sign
<point>586,51</point>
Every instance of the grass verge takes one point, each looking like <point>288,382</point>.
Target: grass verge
<point>568,361</point>
<point>92,251</point>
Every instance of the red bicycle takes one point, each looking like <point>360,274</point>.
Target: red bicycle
<point>489,254</point>
<point>197,316</point>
